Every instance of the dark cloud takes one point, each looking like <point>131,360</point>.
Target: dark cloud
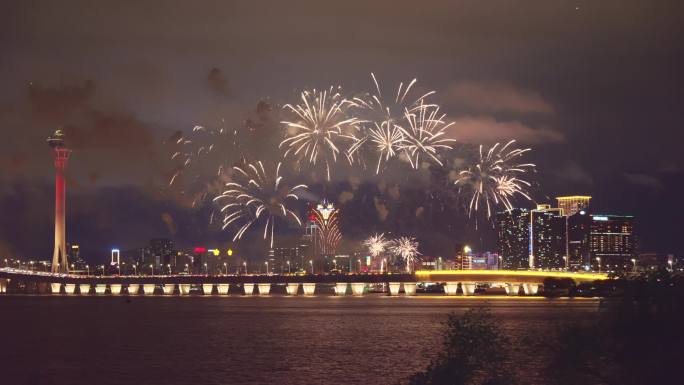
<point>478,129</point>
<point>642,180</point>
<point>217,82</point>
<point>495,97</point>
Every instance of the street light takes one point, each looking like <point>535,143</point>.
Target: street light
<point>669,262</point>
<point>359,260</point>
<point>187,268</point>
<point>118,267</point>
<point>288,267</point>
<point>225,266</point>
<point>206,270</point>
<point>335,263</point>
<point>565,261</point>
<point>598,260</point>
<point>244,263</point>
<point>634,263</point>
<point>152,268</point>
<point>88,269</point>
<point>266,267</point>
<point>103,269</point>
<point>311,263</point>
<point>135,269</point>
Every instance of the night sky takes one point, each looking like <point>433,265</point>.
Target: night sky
<point>596,88</point>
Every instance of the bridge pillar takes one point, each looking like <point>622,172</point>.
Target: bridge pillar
<point>148,288</point>
<point>70,288</point>
<point>531,288</point>
<point>309,288</point>
<point>409,288</point>
<point>115,288</point>
<point>468,288</point>
<point>292,288</point>
<point>169,288</point>
<point>100,288</point>
<point>184,288</point>
<point>512,288</point>
<point>249,288</point>
<point>451,288</point>
<point>133,288</point>
<point>358,288</point>
<point>207,288</point>
<point>264,288</point>
<point>341,288</point>
<point>394,288</point>
<point>222,288</point>
<point>84,288</point>
<point>3,285</point>
<point>55,287</point>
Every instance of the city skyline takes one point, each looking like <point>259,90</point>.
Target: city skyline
<point>121,128</point>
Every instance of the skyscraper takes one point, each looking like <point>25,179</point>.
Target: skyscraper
<point>60,261</point>
<point>611,239</point>
<point>579,226</point>
<point>548,238</point>
<point>573,204</point>
<point>513,230</point>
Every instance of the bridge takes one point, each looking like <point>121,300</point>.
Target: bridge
<point>453,281</point>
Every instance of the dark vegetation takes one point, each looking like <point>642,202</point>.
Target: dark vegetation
<point>636,339</point>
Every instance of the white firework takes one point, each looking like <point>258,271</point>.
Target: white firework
<point>407,249</point>
<point>254,195</point>
<point>495,179</point>
<point>322,129</point>
<point>376,244</point>
<point>424,134</point>
<point>382,118</point>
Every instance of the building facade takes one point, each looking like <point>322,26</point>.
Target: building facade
<point>611,241</point>
<point>513,231</point>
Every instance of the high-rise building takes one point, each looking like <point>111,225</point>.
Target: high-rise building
<point>513,243</point>
<point>611,240</point>
<point>579,226</point>
<point>162,252</point>
<point>60,262</point>
<point>571,205</point>
<point>548,234</point>
<point>327,228</point>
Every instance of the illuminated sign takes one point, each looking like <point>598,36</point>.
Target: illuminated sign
<point>230,252</point>
<point>600,218</point>
<point>200,249</point>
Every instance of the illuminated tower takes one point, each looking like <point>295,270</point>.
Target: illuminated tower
<point>329,235</point>
<point>61,154</point>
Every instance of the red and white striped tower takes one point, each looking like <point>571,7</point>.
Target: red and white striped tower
<point>61,153</point>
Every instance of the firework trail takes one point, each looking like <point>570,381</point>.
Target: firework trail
<point>383,118</point>
<point>425,134</point>
<point>494,179</point>
<point>407,249</point>
<point>376,244</point>
<point>323,129</point>
<point>254,195</point>
<point>200,158</point>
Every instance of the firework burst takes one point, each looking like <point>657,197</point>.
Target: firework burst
<point>254,195</point>
<point>376,244</point>
<point>323,129</point>
<point>382,119</point>
<point>425,134</point>
<point>495,180</point>
<point>407,249</point>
